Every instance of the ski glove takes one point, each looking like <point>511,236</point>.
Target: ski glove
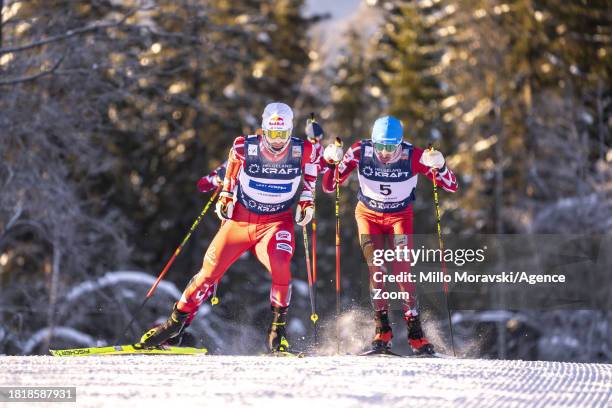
<point>333,154</point>
<point>206,183</point>
<point>314,131</point>
<point>433,158</point>
<point>304,212</point>
<point>225,205</point>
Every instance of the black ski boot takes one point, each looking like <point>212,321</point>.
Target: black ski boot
<point>162,333</point>
<point>382,339</point>
<point>184,339</point>
<point>416,339</point>
<point>277,335</point>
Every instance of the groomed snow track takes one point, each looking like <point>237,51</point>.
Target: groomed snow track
<point>314,382</point>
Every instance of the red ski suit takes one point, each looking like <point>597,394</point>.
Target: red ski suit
<point>378,228</point>
<point>269,236</point>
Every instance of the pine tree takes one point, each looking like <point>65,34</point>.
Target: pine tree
<point>409,56</point>
<point>356,97</point>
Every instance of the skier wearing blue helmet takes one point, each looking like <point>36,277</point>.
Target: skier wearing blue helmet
<point>387,130</point>
<point>388,170</point>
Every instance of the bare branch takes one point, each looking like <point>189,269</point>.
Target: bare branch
<point>35,76</point>
<point>15,217</point>
<point>67,34</point>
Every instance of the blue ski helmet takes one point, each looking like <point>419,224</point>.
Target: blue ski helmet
<point>387,130</point>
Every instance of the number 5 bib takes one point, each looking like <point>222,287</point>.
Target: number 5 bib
<point>386,187</point>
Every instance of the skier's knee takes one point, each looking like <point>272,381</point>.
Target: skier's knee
<point>207,275</point>
<point>367,247</point>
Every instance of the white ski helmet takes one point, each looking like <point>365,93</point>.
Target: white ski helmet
<point>277,124</point>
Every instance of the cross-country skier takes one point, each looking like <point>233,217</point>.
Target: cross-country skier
<point>388,169</point>
<point>261,184</point>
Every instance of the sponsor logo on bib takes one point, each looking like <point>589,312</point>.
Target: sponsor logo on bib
<point>270,188</point>
<point>296,151</point>
<point>276,170</point>
<point>254,168</point>
<point>368,171</point>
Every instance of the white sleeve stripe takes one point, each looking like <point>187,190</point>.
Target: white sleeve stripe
<point>306,196</point>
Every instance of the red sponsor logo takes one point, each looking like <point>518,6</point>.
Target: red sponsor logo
<point>276,120</point>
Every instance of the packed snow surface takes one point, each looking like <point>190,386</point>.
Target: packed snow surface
<point>315,382</point>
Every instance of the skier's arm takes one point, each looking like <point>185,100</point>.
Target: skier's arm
<point>444,176</point>
<point>323,168</point>
<point>345,167</point>
<point>225,204</point>
<point>321,164</point>
<point>212,180</point>
<point>234,163</point>
<point>310,169</point>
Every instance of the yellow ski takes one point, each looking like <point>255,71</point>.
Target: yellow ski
<point>127,349</point>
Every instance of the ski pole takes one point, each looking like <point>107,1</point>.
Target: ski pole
<point>171,261</point>
<point>180,247</point>
<point>313,316</point>
<point>337,177</point>
<point>441,244</point>
<point>314,229</point>
<point>314,247</point>
<point>314,265</point>
<point>312,271</point>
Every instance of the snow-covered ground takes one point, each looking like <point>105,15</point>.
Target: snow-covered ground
<point>347,381</point>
